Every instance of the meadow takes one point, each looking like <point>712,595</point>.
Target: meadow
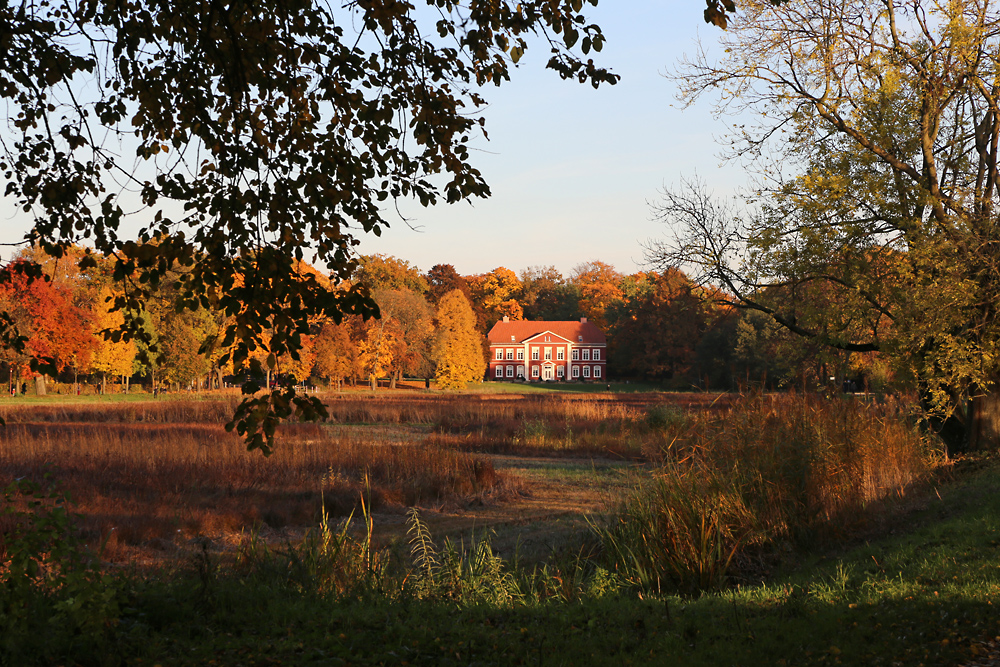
<point>492,529</point>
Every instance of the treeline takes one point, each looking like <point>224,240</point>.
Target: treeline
<point>660,327</point>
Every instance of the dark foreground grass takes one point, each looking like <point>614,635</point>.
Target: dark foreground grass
<point>925,593</point>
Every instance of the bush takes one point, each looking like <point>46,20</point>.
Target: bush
<point>54,599</point>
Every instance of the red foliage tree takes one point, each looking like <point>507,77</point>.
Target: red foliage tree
<point>57,332</point>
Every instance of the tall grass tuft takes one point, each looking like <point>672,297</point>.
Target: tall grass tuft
<point>680,530</point>
<point>773,471</point>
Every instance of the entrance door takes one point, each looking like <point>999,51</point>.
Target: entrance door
<point>547,373</point>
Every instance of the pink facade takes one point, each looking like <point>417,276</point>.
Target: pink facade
<point>547,351</point>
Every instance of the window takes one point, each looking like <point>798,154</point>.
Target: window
<point>597,355</point>
<point>597,371</point>
<point>548,339</point>
<point>586,371</point>
<point>520,372</point>
<point>576,355</point>
<point>560,354</point>
<point>534,371</point>
<point>520,355</point>
<point>579,339</point>
<point>548,353</point>
<point>510,355</point>
<point>534,354</point>
<point>512,339</point>
<point>499,371</point>
<point>576,371</point>
<point>510,371</point>
<point>586,355</point>
<point>499,354</point>
<point>561,371</point>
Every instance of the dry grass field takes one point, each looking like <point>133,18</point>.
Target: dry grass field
<point>153,478</point>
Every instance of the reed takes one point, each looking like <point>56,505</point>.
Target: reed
<point>772,472</point>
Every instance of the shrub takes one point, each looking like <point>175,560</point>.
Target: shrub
<point>53,594</point>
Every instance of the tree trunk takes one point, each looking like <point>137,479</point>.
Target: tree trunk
<point>40,385</point>
<point>982,429</point>
<point>973,426</point>
<point>392,379</point>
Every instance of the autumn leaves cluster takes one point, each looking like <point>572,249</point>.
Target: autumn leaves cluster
<point>68,318</point>
<point>433,324</point>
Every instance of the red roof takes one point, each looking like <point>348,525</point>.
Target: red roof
<point>524,329</point>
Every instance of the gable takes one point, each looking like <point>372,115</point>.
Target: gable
<point>540,338</point>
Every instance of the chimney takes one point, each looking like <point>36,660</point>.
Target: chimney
<point>506,319</point>
<point>583,320</point>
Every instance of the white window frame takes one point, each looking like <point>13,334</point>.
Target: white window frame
<point>548,354</point>
<point>534,354</point>
<point>510,371</point>
<point>575,355</point>
<point>560,371</point>
<point>499,355</point>
<point>560,354</point>
<point>520,371</point>
<point>520,355</point>
<point>534,371</point>
<point>510,355</point>
<point>597,371</point>
<point>586,371</point>
<point>499,371</point>
<point>586,355</point>
<point>597,355</point>
<point>576,371</point>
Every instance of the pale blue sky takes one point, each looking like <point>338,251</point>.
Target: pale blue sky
<point>571,168</point>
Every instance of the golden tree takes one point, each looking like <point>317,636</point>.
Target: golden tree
<point>376,348</point>
<point>458,349</point>
<point>497,293</point>
<point>600,286</point>
<point>336,354</point>
<point>110,357</point>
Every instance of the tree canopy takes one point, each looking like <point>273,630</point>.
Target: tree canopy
<point>243,137</point>
<point>875,131</point>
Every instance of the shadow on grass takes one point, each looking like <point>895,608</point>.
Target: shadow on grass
<point>614,630</point>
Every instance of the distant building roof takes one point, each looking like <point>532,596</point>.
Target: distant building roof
<point>521,330</point>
